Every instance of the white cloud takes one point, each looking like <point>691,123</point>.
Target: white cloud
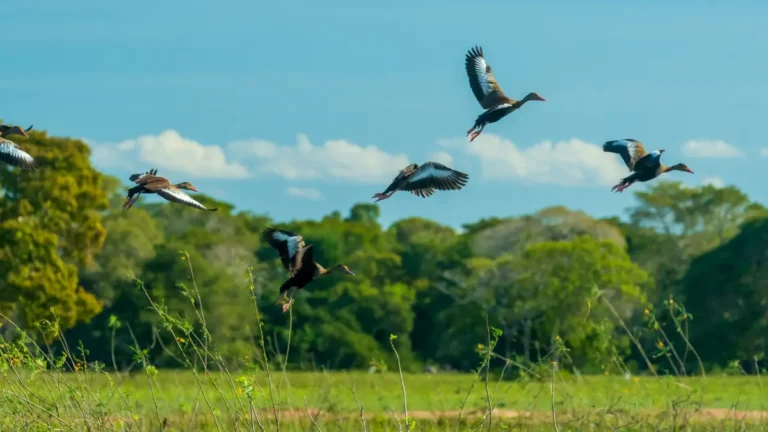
<point>443,158</point>
<point>713,181</point>
<point>566,163</point>
<point>309,193</point>
<point>338,159</point>
<point>168,151</point>
<point>764,151</point>
<point>710,149</point>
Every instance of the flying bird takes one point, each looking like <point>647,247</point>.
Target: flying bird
<point>423,180</point>
<point>646,166</point>
<point>10,152</point>
<point>298,261</point>
<point>489,93</point>
<point>150,183</point>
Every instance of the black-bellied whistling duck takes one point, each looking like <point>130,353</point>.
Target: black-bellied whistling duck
<point>423,180</point>
<point>150,183</point>
<point>489,93</point>
<point>646,166</point>
<point>298,260</point>
<point>10,152</point>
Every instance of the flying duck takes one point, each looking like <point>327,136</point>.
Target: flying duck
<point>298,261</point>
<point>646,166</point>
<point>489,93</point>
<point>150,183</point>
<point>423,180</point>
<point>10,152</point>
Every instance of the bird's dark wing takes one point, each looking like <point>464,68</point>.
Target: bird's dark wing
<point>135,177</point>
<point>424,193</point>
<point>484,86</point>
<point>175,195</point>
<point>289,245</point>
<point>433,175</point>
<point>630,150</point>
<point>11,154</point>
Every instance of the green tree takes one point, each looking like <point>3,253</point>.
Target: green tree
<point>51,227</point>
<point>726,291</point>
<point>673,223</point>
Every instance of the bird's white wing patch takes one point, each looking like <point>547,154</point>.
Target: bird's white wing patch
<point>430,171</point>
<point>632,146</point>
<point>180,197</point>
<point>500,107</point>
<point>10,149</point>
<point>292,243</point>
<point>482,76</point>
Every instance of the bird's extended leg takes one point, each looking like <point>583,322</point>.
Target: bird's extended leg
<point>282,297</point>
<point>621,186</point>
<point>289,303</point>
<point>382,196</point>
<point>476,133</point>
<point>130,202</point>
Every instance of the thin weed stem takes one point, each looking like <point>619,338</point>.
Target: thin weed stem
<point>402,383</point>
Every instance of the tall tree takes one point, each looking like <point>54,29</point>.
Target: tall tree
<point>726,291</point>
<point>51,226</point>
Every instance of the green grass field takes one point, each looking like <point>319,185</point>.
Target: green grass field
<point>91,401</point>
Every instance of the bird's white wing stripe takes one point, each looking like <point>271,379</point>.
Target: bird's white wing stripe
<point>11,149</point>
<point>500,107</point>
<point>482,77</point>
<point>181,196</point>
<point>291,242</point>
<point>430,171</point>
<point>631,146</point>
<point>293,245</point>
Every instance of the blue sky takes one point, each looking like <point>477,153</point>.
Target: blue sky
<point>274,106</point>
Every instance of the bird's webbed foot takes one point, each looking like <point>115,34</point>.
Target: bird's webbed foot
<point>287,305</point>
<point>381,196</point>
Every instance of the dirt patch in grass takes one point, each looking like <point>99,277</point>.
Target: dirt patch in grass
<point>692,414</point>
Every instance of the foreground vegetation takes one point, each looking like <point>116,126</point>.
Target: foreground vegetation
<point>165,317</point>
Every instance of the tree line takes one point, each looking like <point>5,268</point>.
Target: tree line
<point>686,269</point>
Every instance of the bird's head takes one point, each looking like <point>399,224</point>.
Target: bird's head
<point>186,186</point>
<point>344,269</point>
<point>411,167</point>
<point>6,130</point>
<point>680,167</point>
<point>533,96</point>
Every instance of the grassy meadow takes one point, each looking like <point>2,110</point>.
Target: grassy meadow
<point>171,400</point>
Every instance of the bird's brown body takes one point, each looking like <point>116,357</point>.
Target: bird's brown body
<point>151,183</point>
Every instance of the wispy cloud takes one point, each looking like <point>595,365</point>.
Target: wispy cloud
<point>339,159</point>
<point>443,158</point>
<point>764,151</point>
<point>334,159</point>
<point>308,193</point>
<point>713,181</point>
<point>703,148</point>
<point>168,151</point>
<point>566,163</point>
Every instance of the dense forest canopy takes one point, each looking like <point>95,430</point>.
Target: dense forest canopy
<point>69,254</point>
